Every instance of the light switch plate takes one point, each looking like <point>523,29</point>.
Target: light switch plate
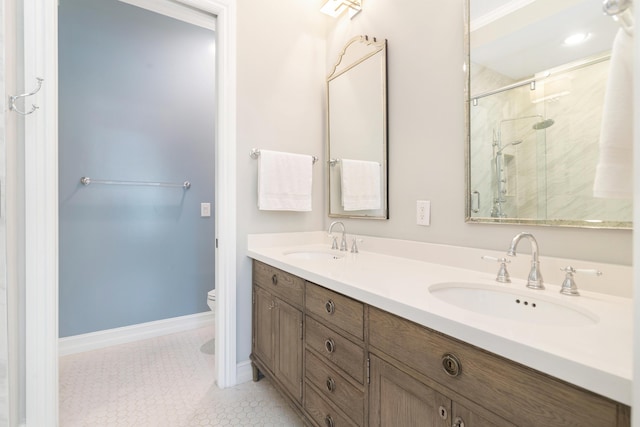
<point>205,209</point>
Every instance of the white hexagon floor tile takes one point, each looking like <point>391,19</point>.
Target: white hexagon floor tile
<point>162,382</point>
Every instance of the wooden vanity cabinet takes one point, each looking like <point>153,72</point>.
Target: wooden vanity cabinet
<point>278,328</point>
<point>498,387</point>
<point>344,363</point>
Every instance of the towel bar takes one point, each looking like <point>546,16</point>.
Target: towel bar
<point>85,180</point>
<point>255,153</point>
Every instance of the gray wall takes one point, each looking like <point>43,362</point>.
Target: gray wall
<point>426,136</point>
<point>136,103</point>
<point>281,106</point>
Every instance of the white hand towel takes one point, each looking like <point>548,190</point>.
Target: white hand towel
<point>360,182</point>
<point>614,172</point>
<point>284,181</point>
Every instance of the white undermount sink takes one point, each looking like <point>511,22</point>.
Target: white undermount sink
<point>508,303</point>
<point>314,255</point>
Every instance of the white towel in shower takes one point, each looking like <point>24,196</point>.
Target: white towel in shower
<point>284,181</point>
<point>360,185</point>
<point>614,172</point>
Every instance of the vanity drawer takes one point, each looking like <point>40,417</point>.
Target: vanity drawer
<point>335,348</point>
<point>322,412</point>
<point>510,390</point>
<point>336,388</point>
<point>335,310</point>
<point>280,283</point>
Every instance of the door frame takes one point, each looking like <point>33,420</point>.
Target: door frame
<point>41,204</point>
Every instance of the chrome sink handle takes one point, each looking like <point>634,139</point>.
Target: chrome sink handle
<point>334,241</point>
<point>354,245</point>
<point>569,286</point>
<point>503,274</point>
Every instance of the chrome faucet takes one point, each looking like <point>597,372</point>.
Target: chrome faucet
<point>343,241</point>
<point>534,281</point>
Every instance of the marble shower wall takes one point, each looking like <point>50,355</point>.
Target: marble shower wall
<point>550,174</point>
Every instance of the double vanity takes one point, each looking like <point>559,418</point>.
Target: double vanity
<point>407,333</point>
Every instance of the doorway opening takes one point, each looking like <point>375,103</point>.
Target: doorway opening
<point>136,97</point>
<point>41,223</point>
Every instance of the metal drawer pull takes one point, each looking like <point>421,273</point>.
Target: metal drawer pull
<point>274,279</point>
<point>328,421</point>
<point>458,422</point>
<point>451,365</point>
<point>330,307</point>
<point>329,345</point>
<point>443,412</point>
<point>331,385</point>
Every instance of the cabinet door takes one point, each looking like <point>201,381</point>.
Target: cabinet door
<point>263,326</point>
<point>288,340</point>
<point>397,399</point>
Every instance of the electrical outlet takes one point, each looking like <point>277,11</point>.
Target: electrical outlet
<point>423,212</point>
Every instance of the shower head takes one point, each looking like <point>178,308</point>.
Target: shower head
<point>544,124</point>
<point>541,125</point>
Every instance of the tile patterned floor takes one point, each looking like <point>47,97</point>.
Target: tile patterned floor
<point>162,382</point>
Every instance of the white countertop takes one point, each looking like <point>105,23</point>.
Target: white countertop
<point>596,357</point>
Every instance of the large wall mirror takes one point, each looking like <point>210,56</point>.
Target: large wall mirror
<point>357,131</point>
<point>539,74</point>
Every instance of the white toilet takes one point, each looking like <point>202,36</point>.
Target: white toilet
<point>210,346</point>
<point>211,300</point>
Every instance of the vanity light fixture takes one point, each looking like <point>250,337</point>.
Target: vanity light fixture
<point>335,8</point>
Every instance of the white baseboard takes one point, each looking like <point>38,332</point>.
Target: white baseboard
<point>244,372</point>
<point>109,337</point>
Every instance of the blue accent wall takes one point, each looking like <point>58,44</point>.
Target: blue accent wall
<point>136,103</point>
